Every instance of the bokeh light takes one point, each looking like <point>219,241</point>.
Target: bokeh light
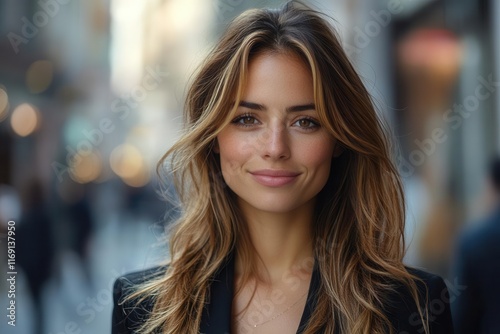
<point>25,119</point>
<point>128,163</point>
<point>39,76</point>
<point>88,168</point>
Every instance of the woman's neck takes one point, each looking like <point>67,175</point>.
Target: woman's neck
<point>283,241</point>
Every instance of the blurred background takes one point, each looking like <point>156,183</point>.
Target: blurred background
<point>91,96</point>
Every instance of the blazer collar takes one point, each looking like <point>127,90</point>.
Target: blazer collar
<point>216,318</point>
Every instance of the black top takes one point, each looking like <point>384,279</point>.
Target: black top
<point>216,319</point>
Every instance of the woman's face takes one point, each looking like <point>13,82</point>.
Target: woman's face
<point>274,154</point>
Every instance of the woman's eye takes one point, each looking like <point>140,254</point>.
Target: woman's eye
<point>245,120</point>
<point>306,123</point>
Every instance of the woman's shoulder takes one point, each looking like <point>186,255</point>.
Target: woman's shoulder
<point>433,293</point>
<point>141,276</point>
<point>426,280</point>
<point>130,313</point>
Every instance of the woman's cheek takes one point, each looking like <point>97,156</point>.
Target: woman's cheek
<point>318,152</point>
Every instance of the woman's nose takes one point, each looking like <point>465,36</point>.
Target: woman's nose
<point>275,144</point>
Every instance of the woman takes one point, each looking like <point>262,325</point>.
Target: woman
<point>292,210</point>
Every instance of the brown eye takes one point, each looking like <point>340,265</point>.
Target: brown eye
<point>306,123</point>
<point>247,120</point>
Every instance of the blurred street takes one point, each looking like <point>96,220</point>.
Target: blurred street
<point>71,302</point>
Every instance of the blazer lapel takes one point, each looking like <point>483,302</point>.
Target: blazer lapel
<point>216,317</point>
<point>311,298</point>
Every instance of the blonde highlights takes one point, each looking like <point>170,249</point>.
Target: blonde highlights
<point>358,231</point>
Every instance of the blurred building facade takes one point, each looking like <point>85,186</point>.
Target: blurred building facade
<point>446,95</point>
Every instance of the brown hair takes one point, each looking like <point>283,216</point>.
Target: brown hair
<point>359,219</point>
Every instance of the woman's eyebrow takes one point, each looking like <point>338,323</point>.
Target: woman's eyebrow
<point>251,105</point>
<point>302,107</point>
<point>256,106</point>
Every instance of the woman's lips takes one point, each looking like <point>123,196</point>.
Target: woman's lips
<point>274,178</point>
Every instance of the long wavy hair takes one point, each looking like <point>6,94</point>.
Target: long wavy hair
<point>359,219</point>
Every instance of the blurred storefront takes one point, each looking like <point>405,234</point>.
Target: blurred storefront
<point>446,91</point>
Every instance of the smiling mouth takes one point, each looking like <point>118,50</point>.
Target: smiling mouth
<point>274,178</point>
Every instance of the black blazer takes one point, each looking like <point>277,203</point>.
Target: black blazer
<point>216,319</point>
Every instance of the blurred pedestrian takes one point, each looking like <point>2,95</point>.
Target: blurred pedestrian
<point>477,308</point>
<point>35,246</point>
